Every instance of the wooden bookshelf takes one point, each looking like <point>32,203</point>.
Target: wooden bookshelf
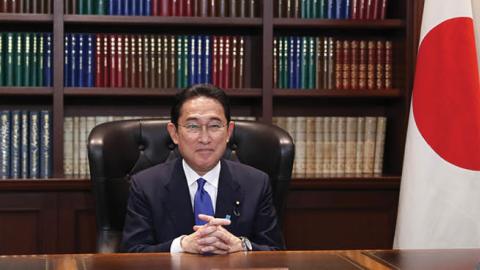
<point>374,195</point>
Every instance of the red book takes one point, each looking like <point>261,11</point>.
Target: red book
<point>347,61</point>
<point>338,64</point>
<point>173,8</point>
<point>226,63</point>
<point>99,62</point>
<point>113,61</point>
<point>220,61</point>
<point>376,9</point>
<point>354,9</point>
<point>189,9</point>
<point>119,61</point>
<point>181,8</point>
<point>133,61</point>
<point>106,60</point>
<point>140,61</point>
<point>361,9</point>
<point>383,9</point>
<point>369,10</point>
<point>155,7</point>
<point>165,8</point>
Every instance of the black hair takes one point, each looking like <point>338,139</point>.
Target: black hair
<point>199,90</point>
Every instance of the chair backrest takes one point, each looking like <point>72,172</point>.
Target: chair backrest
<point>117,150</point>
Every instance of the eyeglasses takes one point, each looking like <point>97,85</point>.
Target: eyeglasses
<point>212,128</point>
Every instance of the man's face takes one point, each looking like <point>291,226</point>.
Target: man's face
<point>202,133</point>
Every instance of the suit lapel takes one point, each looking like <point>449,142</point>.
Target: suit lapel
<point>178,203</point>
<point>228,194</point>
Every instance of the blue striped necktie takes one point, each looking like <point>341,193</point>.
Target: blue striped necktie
<point>202,202</point>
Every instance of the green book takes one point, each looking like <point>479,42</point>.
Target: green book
<point>179,62</point>
<point>304,64</point>
<point>100,10</point>
<point>322,9</point>
<point>88,7</point>
<point>27,61</point>
<point>311,61</point>
<point>81,7</point>
<point>34,60</point>
<point>314,8</point>
<point>1,61</point>
<point>40,58</point>
<point>303,7</point>
<point>308,9</point>
<point>18,58</point>
<point>9,60</point>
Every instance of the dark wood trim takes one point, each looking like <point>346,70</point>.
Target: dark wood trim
<point>158,20</point>
<point>325,93</point>
<point>339,24</point>
<point>267,62</point>
<point>25,18</point>
<point>26,91</point>
<point>52,184</point>
<point>149,92</point>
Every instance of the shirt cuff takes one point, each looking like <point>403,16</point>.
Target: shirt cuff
<point>175,247</point>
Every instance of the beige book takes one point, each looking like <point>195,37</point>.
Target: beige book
<point>327,152</point>
<point>341,142</point>
<point>319,146</point>
<point>290,128</point>
<point>369,147</point>
<point>82,145</point>
<point>360,145</point>
<point>76,146</point>
<point>300,150</point>
<point>379,145</point>
<point>310,147</point>
<point>90,125</point>
<point>100,120</point>
<point>333,146</point>
<point>350,145</point>
<point>68,147</point>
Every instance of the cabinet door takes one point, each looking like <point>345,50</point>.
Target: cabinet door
<point>76,232</point>
<point>28,222</point>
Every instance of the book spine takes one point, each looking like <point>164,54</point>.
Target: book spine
<point>252,9</point>
<point>354,9</point>
<point>172,61</point>
<point>15,147</point>
<point>275,64</point>
<point>100,10</point>
<point>380,66</point>
<point>362,9</point>
<point>222,9</point>
<point>362,65</point>
<point>113,61</point>
<point>213,8</point>
<point>354,64</point>
<point>327,151</point>
<point>360,143</point>
<point>68,147</point>
<point>300,149</point>
<point>90,60</point>
<point>159,57</point>
<point>27,78</point>
<point>310,143</point>
<point>369,146</point>
<point>319,146</point>
<point>379,145</point>
<point>331,63</point>
<point>199,59</point>
<point>81,60</point>
<point>241,67</point>
<point>152,59</point>
<point>319,63</point>
<point>188,8</point>
<point>34,149</point>
<point>369,10</point>
<point>164,8</point>
<point>5,119</point>
<point>350,145</point>
<point>375,10</point>
<point>371,64</point>
<point>165,60</point>
<point>303,62</point>
<point>119,63</point>
<point>226,64</point>
<point>105,61</point>
<point>214,61</point>
<point>45,145</point>
<point>388,64</point>
<point>341,145</point>
<point>220,62</point>
<point>98,61</point>
<point>24,144</point>
<point>2,71</point>
<point>180,66</point>
<point>298,62</point>
<point>347,61</point>
<point>147,11</point>
<point>141,67</point>
<point>18,59</point>
<point>189,57</point>
<point>66,61</point>
<point>89,7</point>
<point>207,61</point>
<point>233,8</point>
<point>82,146</point>
<point>383,10</point>
<point>338,64</point>
<point>334,141</point>
<point>243,8</point>
<point>311,64</point>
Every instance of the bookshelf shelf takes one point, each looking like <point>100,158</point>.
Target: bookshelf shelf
<point>148,92</point>
<point>157,20</point>
<point>51,184</point>
<point>26,91</point>
<point>22,18</point>
<point>345,183</point>
<point>325,93</point>
<point>339,24</point>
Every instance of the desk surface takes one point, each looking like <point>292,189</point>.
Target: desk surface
<point>345,260</point>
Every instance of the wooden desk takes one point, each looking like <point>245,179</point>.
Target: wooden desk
<point>331,260</point>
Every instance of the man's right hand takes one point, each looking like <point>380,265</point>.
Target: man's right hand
<point>208,238</point>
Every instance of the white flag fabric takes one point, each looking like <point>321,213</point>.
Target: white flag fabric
<point>439,204</point>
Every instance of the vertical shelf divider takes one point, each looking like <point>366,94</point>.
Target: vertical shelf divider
<point>267,59</point>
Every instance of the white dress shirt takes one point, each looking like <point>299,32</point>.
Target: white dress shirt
<point>211,187</point>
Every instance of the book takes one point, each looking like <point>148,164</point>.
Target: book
<point>369,144</point>
<point>76,147</point>
<point>341,145</point>
<point>354,64</point>
<point>90,64</point>
<point>371,64</point>
<point>359,149</point>
<point>27,78</point>
<point>362,65</point>
<point>5,118</point>
<point>347,61</point>
<point>380,65</point>
<point>45,144</point>
<point>310,147</point>
<point>68,147</point>
<point>18,66</point>
<point>327,150</point>
<point>383,9</point>
<point>319,146</point>
<point>379,145</point>
<point>15,144</point>
<point>67,76</point>
<point>41,60</point>
<point>24,140</point>
<point>9,70</point>
<point>350,145</point>
<point>339,64</point>
<point>34,145</point>
<point>226,63</point>
<point>388,64</point>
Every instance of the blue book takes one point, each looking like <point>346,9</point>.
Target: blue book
<point>298,63</point>
<point>126,7</point>
<point>191,60</point>
<point>346,4</point>
<point>198,61</point>
<point>331,9</point>
<point>133,7</point>
<point>15,145</point>
<point>67,72</point>
<point>140,7</point>
<point>48,79</point>
<point>80,60</point>
<point>207,60</point>
<point>5,117</point>
<point>73,60</point>
<point>45,145</point>
<point>180,64</point>
<point>90,68</point>
<point>24,144</point>
<point>111,8</point>
<point>340,9</point>
<point>34,161</point>
<point>147,11</point>
<point>292,62</point>
<point>118,7</point>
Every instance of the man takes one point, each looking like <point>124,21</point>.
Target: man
<point>201,203</point>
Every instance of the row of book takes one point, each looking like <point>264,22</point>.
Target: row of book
<point>77,130</point>
<point>336,146</point>
<point>328,63</point>
<point>153,61</point>
<point>200,8</point>
<point>332,9</point>
<point>26,6</point>
<point>26,59</point>
<point>25,144</point>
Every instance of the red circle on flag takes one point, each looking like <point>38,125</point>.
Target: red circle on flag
<point>446,95</point>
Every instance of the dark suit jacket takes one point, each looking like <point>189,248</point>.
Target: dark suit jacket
<point>159,207</point>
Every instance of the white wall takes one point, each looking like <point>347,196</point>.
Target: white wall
<point>476,16</point>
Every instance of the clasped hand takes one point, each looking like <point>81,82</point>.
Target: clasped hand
<point>211,238</point>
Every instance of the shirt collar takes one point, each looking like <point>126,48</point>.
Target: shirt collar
<point>211,176</point>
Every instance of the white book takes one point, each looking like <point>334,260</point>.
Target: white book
<point>369,147</point>
<point>360,145</point>
<point>333,145</point>
<point>341,145</point>
<point>327,138</point>
<point>76,146</point>
<point>290,128</point>
<point>350,145</point>
<point>319,146</point>
<point>310,148</point>
<point>68,147</point>
<point>300,151</point>
<point>379,145</point>
<point>83,145</point>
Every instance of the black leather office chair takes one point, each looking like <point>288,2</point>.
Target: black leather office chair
<point>116,150</point>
